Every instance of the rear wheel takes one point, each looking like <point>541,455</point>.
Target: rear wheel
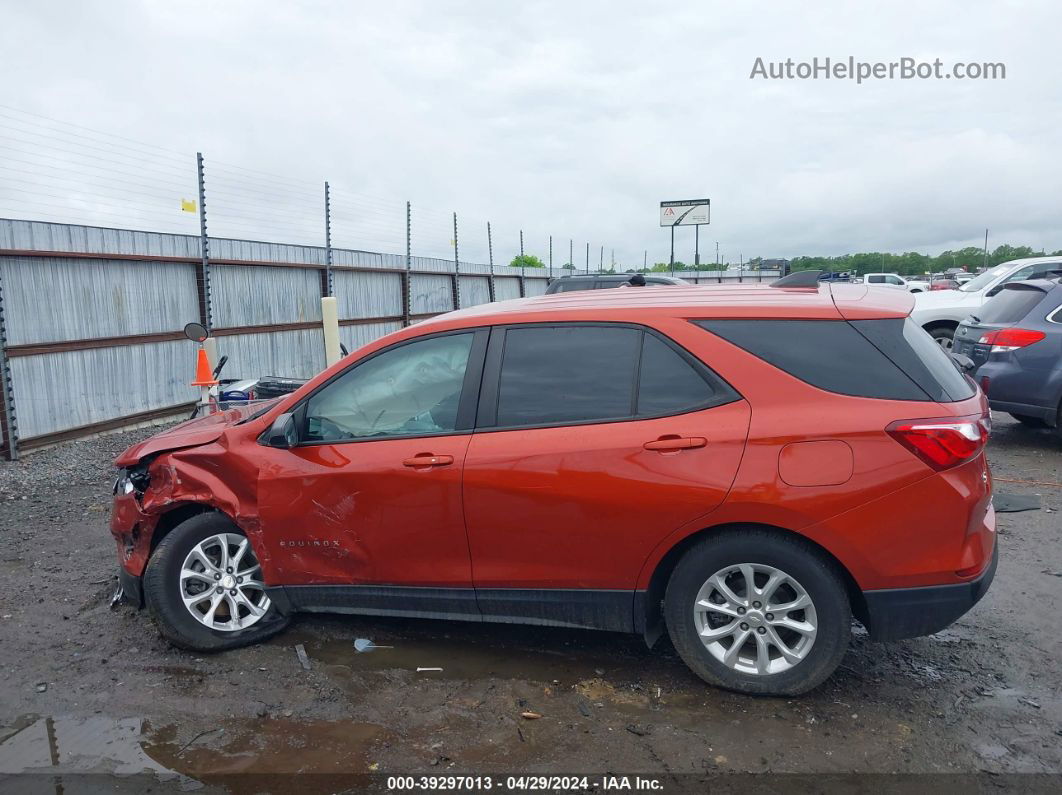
<point>203,587</point>
<point>944,337</point>
<point>758,612</point>
<point>1029,422</point>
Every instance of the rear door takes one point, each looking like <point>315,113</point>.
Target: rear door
<point>593,443</point>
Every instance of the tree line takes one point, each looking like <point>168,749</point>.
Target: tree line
<point>909,263</point>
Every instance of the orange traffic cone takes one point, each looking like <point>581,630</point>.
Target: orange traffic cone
<point>203,375</point>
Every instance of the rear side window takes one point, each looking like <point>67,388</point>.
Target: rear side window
<point>667,382</point>
<point>567,374</point>
<point>828,354</point>
<point>552,375</point>
<point>1011,305</point>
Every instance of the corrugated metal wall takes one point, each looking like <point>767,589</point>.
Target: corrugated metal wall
<point>71,312</point>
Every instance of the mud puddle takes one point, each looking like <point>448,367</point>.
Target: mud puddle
<point>233,756</point>
<point>476,652</point>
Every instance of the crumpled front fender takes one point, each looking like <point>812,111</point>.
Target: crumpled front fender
<point>210,476</point>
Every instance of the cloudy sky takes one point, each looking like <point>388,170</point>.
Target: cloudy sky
<point>570,118</point>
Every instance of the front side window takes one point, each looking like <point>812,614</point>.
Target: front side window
<point>411,390</point>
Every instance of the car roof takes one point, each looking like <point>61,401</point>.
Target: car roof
<point>1033,261</point>
<point>831,301</point>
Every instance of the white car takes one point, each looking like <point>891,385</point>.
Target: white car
<point>940,311</point>
<point>895,280</point>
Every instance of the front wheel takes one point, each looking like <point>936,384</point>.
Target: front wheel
<point>758,612</point>
<point>203,587</point>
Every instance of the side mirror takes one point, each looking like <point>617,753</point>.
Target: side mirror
<point>196,332</point>
<point>282,433</point>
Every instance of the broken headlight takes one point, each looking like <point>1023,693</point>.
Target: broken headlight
<point>132,479</point>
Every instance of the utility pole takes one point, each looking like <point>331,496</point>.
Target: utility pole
<point>588,258</point>
<point>521,242</point>
<point>697,247</point>
<point>571,253</point>
<point>457,270</point>
<point>204,243</point>
<point>645,259</point>
<point>409,267</point>
<point>490,253</point>
<point>601,260</point>
<point>329,277</point>
<point>551,256</point>
<point>985,263</point>
<point>717,253</point>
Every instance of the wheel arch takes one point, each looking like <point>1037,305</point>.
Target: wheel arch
<point>648,618</point>
<point>173,516</point>
<point>932,325</point>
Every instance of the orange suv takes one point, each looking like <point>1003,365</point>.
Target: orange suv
<point>746,466</point>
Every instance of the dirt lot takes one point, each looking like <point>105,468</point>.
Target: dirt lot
<point>87,688</point>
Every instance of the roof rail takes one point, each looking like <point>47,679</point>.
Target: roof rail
<point>798,279</point>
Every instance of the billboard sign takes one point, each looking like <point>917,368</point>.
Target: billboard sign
<point>687,212</point>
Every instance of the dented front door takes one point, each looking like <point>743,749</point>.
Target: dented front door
<point>372,492</point>
<point>375,512</point>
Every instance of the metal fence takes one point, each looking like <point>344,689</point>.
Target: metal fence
<point>90,314</point>
<point>91,317</point>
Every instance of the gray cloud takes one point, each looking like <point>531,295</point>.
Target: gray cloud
<point>574,119</point>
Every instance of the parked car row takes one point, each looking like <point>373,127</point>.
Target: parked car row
<point>1015,344</point>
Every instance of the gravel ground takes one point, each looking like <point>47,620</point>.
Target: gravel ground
<point>87,688</point>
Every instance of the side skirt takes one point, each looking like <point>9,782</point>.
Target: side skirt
<point>611,610</point>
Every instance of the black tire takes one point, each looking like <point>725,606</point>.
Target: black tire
<point>1029,422</point>
<point>943,336</point>
<point>792,555</point>
<point>162,592</point>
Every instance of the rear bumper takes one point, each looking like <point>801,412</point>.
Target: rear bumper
<point>896,613</point>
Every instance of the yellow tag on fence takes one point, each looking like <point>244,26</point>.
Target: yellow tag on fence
<point>188,206</point>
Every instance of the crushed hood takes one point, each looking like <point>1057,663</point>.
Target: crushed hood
<point>193,433</point>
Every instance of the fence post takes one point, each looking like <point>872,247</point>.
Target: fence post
<point>8,422</point>
<point>329,276</point>
<point>490,253</point>
<point>409,268</point>
<point>457,270</point>
<point>203,277</point>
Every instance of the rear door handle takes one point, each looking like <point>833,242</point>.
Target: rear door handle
<point>668,443</point>
<point>425,460</point>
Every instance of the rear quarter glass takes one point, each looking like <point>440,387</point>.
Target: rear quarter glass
<point>828,354</point>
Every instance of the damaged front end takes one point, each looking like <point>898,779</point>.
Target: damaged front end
<point>171,477</point>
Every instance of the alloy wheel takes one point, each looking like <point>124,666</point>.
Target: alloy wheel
<point>220,583</point>
<point>755,619</point>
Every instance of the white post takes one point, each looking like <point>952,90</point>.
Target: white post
<point>330,322</point>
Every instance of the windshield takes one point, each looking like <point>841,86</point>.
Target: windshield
<point>982,281</point>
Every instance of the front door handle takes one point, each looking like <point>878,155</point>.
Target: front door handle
<point>426,460</point>
<point>673,443</point>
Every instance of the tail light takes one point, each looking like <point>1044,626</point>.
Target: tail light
<point>943,443</point>
<point>1010,339</point>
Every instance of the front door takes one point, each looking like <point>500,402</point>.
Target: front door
<point>371,495</point>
